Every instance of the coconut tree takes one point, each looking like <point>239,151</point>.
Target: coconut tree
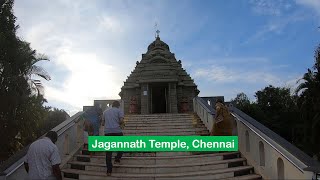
<point>37,71</point>
<point>20,111</point>
<point>310,87</point>
<point>309,99</point>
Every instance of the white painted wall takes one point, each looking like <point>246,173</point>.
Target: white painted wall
<point>270,169</point>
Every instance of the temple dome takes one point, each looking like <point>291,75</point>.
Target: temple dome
<point>158,44</point>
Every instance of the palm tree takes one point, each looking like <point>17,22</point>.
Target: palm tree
<point>309,91</point>
<point>35,84</point>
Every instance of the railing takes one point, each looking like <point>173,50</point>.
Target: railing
<point>204,111</point>
<point>271,156</point>
<point>70,139</point>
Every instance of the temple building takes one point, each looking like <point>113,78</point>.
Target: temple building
<point>158,84</point>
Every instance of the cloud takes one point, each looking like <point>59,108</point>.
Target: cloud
<point>110,24</point>
<point>223,74</point>
<point>270,7</point>
<point>239,60</point>
<point>89,77</point>
<point>313,4</point>
<point>85,47</point>
<point>272,27</point>
<point>247,71</point>
<point>276,26</point>
<point>247,75</point>
<point>280,14</point>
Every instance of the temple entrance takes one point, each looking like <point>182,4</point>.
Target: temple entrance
<point>159,98</point>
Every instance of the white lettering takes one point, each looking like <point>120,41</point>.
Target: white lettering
<point>195,143</point>
<point>95,145</point>
<point>152,141</point>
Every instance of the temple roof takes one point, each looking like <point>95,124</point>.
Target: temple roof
<point>158,44</point>
<point>158,64</point>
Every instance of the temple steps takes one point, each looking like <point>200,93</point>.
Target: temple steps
<point>142,117</point>
<point>159,120</point>
<point>162,165</point>
<point>168,134</point>
<point>135,127</point>
<point>161,115</point>
<point>158,159</point>
<point>162,125</point>
<point>207,174</point>
<point>243,177</point>
<point>143,154</point>
<point>156,130</point>
<point>156,168</point>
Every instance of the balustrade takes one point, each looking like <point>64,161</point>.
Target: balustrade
<point>256,142</point>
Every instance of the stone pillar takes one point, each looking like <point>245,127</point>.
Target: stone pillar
<point>145,99</point>
<point>173,98</point>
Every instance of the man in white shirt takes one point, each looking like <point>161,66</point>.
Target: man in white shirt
<point>43,159</point>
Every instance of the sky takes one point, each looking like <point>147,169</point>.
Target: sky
<point>227,47</point>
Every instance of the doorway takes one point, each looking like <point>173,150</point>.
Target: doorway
<point>159,98</point>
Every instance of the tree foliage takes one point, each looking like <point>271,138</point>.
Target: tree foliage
<point>35,70</point>
<point>241,101</point>
<point>309,105</point>
<point>21,111</point>
<point>295,117</point>
<point>279,107</point>
<point>274,107</point>
<point>53,118</point>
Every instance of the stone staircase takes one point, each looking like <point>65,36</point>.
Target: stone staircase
<point>162,165</point>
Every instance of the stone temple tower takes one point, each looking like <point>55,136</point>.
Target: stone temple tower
<point>158,84</point>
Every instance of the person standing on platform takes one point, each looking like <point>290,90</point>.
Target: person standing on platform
<point>113,122</point>
<point>223,121</point>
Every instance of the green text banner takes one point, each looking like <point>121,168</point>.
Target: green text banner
<point>163,143</point>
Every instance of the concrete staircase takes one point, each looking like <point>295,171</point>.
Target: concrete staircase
<point>162,165</point>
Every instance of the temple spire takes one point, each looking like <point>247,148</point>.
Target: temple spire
<point>157,30</point>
